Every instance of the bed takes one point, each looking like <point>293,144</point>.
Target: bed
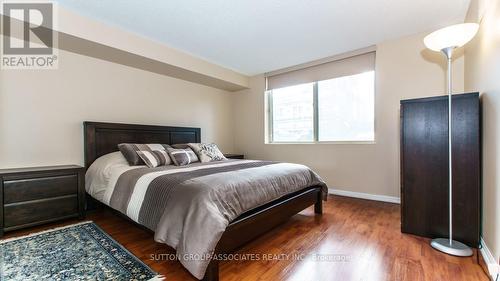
<point>213,222</point>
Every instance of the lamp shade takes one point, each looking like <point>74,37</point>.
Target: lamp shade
<point>454,36</point>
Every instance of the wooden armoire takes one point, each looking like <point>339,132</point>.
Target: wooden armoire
<point>424,167</point>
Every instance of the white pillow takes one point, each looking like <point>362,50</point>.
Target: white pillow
<point>207,152</point>
<point>99,174</point>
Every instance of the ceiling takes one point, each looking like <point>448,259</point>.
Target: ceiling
<point>257,36</point>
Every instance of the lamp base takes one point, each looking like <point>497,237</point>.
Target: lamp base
<point>455,248</point>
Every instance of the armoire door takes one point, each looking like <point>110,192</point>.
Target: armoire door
<point>424,167</point>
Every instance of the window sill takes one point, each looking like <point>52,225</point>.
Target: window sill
<point>326,142</point>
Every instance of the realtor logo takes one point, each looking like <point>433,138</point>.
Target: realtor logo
<point>29,40</point>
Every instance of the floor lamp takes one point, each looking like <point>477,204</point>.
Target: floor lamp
<point>446,40</point>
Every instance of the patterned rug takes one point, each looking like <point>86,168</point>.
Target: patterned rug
<point>75,252</point>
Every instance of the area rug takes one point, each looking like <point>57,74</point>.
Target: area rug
<point>75,252</point>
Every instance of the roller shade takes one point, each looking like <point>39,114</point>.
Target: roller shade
<point>324,71</point>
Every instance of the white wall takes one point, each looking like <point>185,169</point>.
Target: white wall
<point>404,69</point>
<point>482,73</point>
<point>41,111</point>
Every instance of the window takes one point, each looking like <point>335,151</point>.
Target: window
<point>341,109</point>
<point>293,114</point>
<point>329,100</point>
<point>346,108</point>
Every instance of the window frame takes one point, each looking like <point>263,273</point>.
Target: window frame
<point>269,112</point>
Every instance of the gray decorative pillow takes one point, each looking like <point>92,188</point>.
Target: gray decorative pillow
<point>207,152</point>
<point>129,151</point>
<point>155,158</point>
<point>182,157</point>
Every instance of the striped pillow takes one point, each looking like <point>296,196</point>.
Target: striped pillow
<point>155,158</point>
<point>129,151</point>
<point>182,157</point>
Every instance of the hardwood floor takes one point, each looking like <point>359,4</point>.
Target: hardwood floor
<point>360,239</point>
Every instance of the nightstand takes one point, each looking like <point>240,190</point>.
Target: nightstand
<point>33,196</point>
<point>234,156</point>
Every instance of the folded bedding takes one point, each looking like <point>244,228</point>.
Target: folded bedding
<point>189,207</point>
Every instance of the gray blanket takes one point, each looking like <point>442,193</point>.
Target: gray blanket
<point>189,207</point>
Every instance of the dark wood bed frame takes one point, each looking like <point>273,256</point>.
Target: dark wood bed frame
<point>103,138</point>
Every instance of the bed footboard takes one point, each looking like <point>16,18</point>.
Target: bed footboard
<point>252,224</point>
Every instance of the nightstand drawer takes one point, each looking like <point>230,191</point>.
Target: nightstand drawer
<point>18,214</point>
<point>21,190</point>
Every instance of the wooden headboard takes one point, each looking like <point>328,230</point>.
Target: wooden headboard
<point>102,138</point>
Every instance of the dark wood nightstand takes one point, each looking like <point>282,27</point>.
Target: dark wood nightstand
<point>33,196</point>
<point>234,156</point>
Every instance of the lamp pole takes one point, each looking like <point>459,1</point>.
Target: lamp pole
<point>449,245</point>
<point>446,40</point>
<point>449,53</point>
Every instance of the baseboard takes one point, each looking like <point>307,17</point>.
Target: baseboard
<point>489,259</point>
<point>368,196</point>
